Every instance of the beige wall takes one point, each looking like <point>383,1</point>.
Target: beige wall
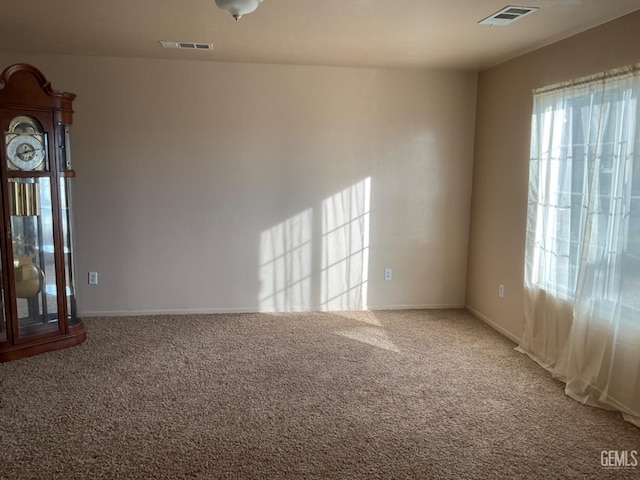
<point>205,187</point>
<point>499,201</point>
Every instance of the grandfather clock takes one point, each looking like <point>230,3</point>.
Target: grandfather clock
<point>37,288</point>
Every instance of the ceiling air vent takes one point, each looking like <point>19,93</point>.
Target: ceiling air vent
<point>187,45</point>
<point>507,15</point>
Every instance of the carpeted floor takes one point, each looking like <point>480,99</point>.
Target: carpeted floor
<point>352,395</point>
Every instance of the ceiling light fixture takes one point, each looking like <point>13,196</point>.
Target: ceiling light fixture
<point>238,8</point>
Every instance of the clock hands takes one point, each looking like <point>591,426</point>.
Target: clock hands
<point>26,151</point>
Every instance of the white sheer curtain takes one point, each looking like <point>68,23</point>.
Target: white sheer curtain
<point>582,268</point>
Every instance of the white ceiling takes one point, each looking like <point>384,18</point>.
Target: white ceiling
<point>381,33</point>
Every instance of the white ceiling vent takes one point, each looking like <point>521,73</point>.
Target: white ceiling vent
<point>187,45</point>
<point>507,15</point>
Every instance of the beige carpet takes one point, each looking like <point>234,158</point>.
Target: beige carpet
<point>366,395</point>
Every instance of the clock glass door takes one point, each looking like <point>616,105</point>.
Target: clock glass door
<point>33,255</point>
<point>3,318</point>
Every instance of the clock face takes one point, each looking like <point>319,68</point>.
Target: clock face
<point>25,151</point>
<point>25,145</point>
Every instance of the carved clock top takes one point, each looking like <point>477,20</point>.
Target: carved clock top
<point>23,85</point>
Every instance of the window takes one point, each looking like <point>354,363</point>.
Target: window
<point>582,269</point>
<point>583,229</point>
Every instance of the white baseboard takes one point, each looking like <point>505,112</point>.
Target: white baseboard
<point>183,311</point>
<point>493,324</point>
<point>416,307</point>
<point>209,311</point>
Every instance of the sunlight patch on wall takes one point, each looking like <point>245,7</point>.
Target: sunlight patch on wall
<point>320,264</point>
<point>286,265</point>
<point>345,248</point>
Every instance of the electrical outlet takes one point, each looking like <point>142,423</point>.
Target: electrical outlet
<point>501,290</point>
<point>93,278</point>
<point>388,273</point>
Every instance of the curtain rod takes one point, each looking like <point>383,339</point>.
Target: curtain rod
<point>591,79</point>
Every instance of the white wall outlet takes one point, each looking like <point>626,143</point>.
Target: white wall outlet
<point>93,278</point>
<point>501,290</point>
<point>388,274</point>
